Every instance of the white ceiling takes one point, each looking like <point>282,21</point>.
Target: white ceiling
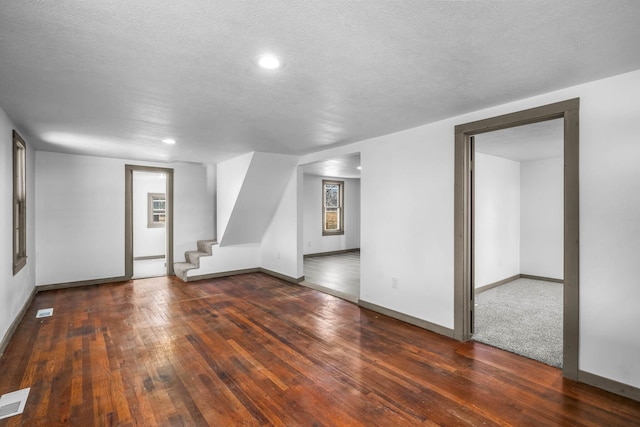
<point>544,140</point>
<point>339,167</point>
<point>114,77</point>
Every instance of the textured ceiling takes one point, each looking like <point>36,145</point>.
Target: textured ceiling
<point>339,167</point>
<point>114,77</point>
<point>544,140</point>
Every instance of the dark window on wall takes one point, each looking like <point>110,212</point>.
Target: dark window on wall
<point>332,207</point>
<point>19,203</point>
<point>156,210</point>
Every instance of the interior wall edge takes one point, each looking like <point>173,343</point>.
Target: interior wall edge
<point>295,280</point>
<point>342,251</point>
<point>148,257</point>
<point>515,277</point>
<point>14,325</point>
<point>424,324</point>
<point>497,283</point>
<point>546,279</point>
<point>610,385</point>
<point>91,282</point>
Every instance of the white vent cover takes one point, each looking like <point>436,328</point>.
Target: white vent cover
<point>45,312</point>
<point>13,403</point>
<point>9,409</point>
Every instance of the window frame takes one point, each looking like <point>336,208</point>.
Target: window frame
<point>151,211</point>
<point>340,208</point>
<point>19,203</point>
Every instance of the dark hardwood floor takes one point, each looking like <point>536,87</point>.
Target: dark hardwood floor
<point>254,350</point>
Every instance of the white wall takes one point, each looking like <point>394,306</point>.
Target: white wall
<point>518,218</point>
<point>407,222</point>
<point>14,290</point>
<point>258,224</point>
<point>542,218</point>
<point>230,175</point>
<point>314,241</point>
<point>278,249</point>
<point>80,215</point>
<point>413,171</point>
<point>146,241</point>
<point>497,219</point>
<point>225,259</point>
<point>192,207</point>
<point>211,194</point>
<point>257,201</point>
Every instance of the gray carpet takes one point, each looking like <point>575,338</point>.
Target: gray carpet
<point>524,317</point>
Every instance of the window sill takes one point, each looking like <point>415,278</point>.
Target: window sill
<point>333,233</point>
<point>19,264</point>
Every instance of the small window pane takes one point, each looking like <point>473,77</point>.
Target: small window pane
<point>331,219</point>
<point>331,195</point>
<point>157,210</point>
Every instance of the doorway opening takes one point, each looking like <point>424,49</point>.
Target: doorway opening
<point>465,269</point>
<point>148,221</point>
<point>517,235</point>
<point>331,226</point>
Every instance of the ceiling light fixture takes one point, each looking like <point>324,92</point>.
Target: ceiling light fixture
<point>169,141</point>
<point>269,62</point>
<point>359,168</point>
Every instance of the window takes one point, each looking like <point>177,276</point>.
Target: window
<point>19,203</point>
<point>332,209</point>
<point>157,208</point>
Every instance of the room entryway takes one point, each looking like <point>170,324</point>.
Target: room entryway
<point>149,218</point>
<point>149,222</point>
<point>466,250</point>
<point>144,268</point>
<point>517,228</point>
<point>331,226</point>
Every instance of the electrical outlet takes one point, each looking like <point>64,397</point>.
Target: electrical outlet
<point>394,282</point>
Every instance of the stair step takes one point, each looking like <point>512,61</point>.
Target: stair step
<point>205,245</point>
<point>180,269</point>
<point>193,257</point>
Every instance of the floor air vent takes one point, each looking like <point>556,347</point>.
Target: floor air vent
<point>13,403</point>
<point>45,312</point>
<point>9,409</point>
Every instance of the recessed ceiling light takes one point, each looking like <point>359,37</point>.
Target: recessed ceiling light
<point>169,141</point>
<point>269,62</point>
<point>359,168</point>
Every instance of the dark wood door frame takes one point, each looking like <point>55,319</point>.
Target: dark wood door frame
<point>128,207</point>
<point>569,111</point>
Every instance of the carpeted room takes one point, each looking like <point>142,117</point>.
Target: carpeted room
<point>518,224</point>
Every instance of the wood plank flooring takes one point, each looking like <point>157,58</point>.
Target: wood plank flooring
<point>254,350</point>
